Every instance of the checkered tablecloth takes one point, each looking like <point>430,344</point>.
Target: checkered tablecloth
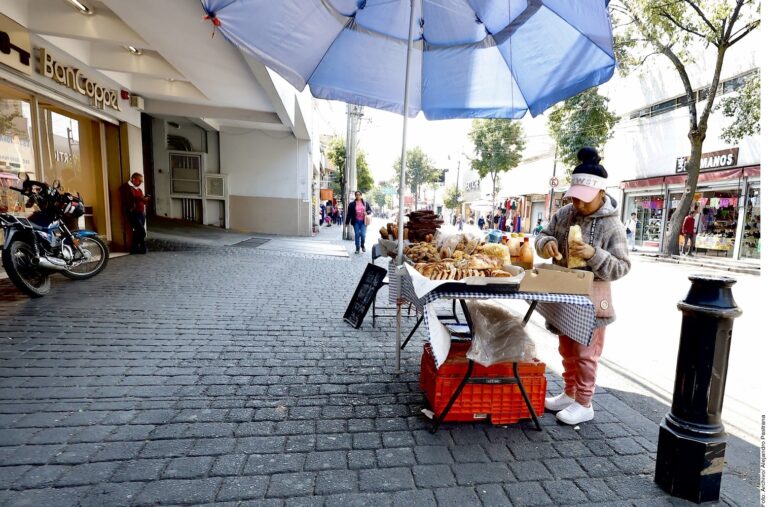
<point>572,314</point>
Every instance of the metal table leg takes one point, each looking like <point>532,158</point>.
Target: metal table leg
<point>528,314</point>
<point>454,397</point>
<point>410,335</point>
<point>525,397</point>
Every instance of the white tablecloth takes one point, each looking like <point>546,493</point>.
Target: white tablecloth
<point>573,315</point>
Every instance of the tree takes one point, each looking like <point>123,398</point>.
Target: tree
<point>419,170</point>
<point>336,152</point>
<point>364,177</point>
<point>672,29</point>
<point>377,196</point>
<point>499,145</point>
<point>452,198</point>
<point>744,110</point>
<point>582,120</point>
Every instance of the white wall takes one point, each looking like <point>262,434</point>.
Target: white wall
<point>164,205</point>
<point>266,164</point>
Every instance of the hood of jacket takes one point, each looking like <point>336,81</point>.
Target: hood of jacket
<point>609,208</point>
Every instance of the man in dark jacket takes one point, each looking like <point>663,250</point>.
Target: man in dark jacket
<point>135,203</point>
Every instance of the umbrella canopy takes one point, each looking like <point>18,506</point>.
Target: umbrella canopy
<point>471,58</point>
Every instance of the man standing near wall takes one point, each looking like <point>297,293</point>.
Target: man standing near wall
<point>135,203</point>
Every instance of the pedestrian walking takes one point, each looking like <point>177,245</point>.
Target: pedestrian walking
<point>604,248</point>
<point>481,222</point>
<point>689,231</point>
<point>357,214</point>
<point>631,225</point>
<point>460,222</point>
<point>697,226</point>
<point>135,203</point>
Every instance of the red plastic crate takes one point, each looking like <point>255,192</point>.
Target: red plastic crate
<point>502,403</point>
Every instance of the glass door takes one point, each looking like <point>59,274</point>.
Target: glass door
<point>750,238</point>
<point>71,153</point>
<point>17,152</point>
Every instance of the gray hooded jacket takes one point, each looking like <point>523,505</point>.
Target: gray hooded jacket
<point>611,259</point>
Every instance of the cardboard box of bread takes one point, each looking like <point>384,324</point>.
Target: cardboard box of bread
<point>465,258</point>
<point>555,279</point>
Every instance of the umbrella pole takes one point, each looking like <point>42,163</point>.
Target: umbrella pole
<point>401,213</point>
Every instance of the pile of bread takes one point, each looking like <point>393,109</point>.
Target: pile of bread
<point>422,252</point>
<point>465,257</point>
<point>423,224</point>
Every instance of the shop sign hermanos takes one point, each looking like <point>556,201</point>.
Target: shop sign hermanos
<point>74,79</point>
<point>712,160</point>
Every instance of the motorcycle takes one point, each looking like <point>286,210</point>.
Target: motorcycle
<point>42,244</point>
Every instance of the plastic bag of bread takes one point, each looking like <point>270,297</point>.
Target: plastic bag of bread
<point>499,334</point>
<point>501,252</point>
<point>575,261</point>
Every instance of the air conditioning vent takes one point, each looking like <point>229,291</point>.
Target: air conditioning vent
<point>137,102</point>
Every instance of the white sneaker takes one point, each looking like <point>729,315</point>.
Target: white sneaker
<point>559,402</point>
<point>576,413</point>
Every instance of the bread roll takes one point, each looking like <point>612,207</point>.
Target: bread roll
<point>575,261</point>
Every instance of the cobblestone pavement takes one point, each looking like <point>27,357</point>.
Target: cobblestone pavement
<point>227,376</point>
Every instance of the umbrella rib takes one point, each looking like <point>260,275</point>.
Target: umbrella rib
<point>580,32</point>
<point>340,17</point>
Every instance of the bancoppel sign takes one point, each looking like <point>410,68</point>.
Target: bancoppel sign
<point>713,160</point>
<point>15,48</point>
<point>74,79</point>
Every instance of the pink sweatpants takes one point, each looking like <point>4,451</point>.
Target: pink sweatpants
<point>580,365</point>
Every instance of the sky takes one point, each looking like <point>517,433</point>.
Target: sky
<point>380,136</point>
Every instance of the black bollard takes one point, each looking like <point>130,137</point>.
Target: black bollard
<point>691,450</point>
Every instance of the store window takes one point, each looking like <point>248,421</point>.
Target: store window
<point>16,148</point>
<point>650,211</point>
<point>71,149</point>
<point>750,239</point>
<point>719,212</point>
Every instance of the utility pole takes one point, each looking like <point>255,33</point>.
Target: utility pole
<point>552,189</point>
<point>354,114</point>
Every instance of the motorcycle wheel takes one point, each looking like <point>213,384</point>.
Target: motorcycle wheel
<point>17,260</point>
<point>95,265</point>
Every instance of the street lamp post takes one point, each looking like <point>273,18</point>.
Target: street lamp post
<point>690,455</point>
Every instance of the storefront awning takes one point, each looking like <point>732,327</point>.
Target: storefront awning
<point>679,179</point>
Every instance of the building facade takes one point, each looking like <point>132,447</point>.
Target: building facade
<point>108,90</point>
<point>63,120</point>
<point>648,152</point>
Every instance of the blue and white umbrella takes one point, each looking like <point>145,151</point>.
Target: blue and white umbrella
<point>471,58</point>
<point>465,59</point>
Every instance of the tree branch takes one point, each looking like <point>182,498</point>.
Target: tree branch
<point>680,25</point>
<point>642,62</point>
<point>704,18</point>
<point>744,32</point>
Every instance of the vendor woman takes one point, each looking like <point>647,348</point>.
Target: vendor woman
<point>604,248</point>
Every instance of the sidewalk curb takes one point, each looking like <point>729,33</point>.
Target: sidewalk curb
<point>748,270</point>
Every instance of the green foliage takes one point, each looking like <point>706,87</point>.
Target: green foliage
<point>582,120</point>
<point>7,127</point>
<point>743,110</point>
<point>499,145</point>
<point>336,152</point>
<point>377,196</point>
<point>419,170</point>
<point>364,176</point>
<point>453,197</point>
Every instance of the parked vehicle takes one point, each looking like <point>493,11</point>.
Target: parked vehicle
<point>42,244</point>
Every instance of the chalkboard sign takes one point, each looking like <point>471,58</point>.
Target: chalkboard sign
<point>364,294</point>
